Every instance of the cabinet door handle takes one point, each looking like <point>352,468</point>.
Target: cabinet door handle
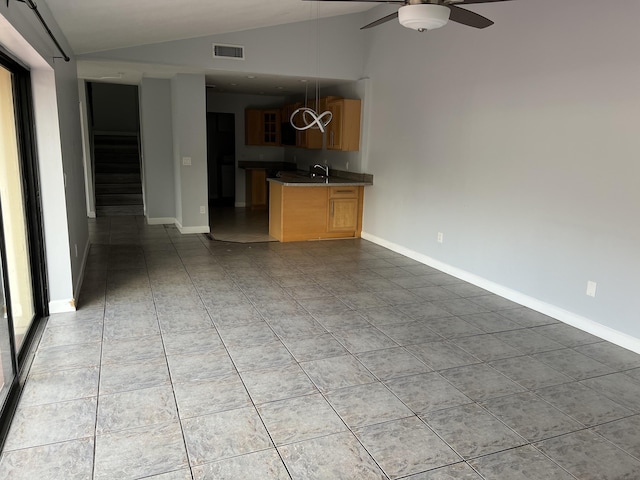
<point>333,205</point>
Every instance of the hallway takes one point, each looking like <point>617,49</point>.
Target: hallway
<point>196,359</point>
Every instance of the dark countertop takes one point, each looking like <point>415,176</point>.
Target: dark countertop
<point>276,166</point>
<point>337,177</point>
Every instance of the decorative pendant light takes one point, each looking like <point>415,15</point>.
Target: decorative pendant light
<point>308,117</point>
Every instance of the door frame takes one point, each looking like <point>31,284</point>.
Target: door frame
<point>25,129</point>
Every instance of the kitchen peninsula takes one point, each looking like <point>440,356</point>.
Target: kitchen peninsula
<point>302,207</point>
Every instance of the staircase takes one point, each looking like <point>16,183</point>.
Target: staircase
<point>118,185</point>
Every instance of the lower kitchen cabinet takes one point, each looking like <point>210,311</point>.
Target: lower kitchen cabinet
<point>344,209</point>
<point>311,213</point>
<point>256,188</point>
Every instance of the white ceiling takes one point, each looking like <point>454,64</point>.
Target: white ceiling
<point>93,25</point>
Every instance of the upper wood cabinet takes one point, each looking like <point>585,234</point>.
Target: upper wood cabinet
<point>343,132</point>
<point>312,137</point>
<point>262,127</point>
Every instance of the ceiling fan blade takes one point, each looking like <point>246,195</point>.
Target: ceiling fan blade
<point>470,2</point>
<point>469,18</point>
<point>360,1</point>
<point>381,21</point>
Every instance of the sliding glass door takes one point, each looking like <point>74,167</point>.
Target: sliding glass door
<point>14,220</point>
<point>22,280</point>
<point>7,370</point>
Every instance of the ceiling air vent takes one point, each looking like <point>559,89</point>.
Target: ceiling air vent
<point>228,51</point>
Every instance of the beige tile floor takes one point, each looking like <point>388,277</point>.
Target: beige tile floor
<point>241,225</point>
<point>198,359</point>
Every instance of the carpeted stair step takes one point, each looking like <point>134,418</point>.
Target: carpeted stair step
<point>117,167</point>
<point>102,178</point>
<point>113,199</point>
<point>110,188</point>
<point>113,211</point>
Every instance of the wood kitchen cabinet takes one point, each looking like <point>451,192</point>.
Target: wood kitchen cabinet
<point>312,137</point>
<point>311,213</point>
<point>256,188</point>
<point>343,133</point>
<point>297,213</point>
<point>262,127</point>
<point>344,209</point>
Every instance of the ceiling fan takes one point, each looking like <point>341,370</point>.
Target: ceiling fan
<point>422,15</point>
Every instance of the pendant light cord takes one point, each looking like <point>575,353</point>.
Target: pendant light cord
<point>317,56</point>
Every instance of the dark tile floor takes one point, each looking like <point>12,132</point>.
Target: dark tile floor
<point>196,359</point>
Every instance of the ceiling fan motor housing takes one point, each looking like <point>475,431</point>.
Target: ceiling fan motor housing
<point>427,16</point>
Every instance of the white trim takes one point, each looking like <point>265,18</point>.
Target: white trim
<point>87,162</point>
<point>187,230</point>
<point>161,221</point>
<point>606,333</point>
<point>240,204</point>
<point>62,306</point>
<point>83,266</point>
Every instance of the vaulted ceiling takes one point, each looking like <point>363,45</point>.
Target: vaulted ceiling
<point>92,25</point>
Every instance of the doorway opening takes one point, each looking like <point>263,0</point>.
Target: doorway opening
<point>221,159</point>
<point>226,221</point>
<point>114,129</point>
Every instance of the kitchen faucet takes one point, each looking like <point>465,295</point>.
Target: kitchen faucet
<point>324,168</point>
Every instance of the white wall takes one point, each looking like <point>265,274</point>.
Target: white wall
<point>157,150</point>
<point>288,50</point>
<point>86,150</point>
<point>519,143</point>
<point>190,140</point>
<point>59,144</point>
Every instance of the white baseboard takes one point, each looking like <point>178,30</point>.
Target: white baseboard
<point>240,204</point>
<point>188,230</point>
<point>161,221</point>
<point>62,306</point>
<point>606,333</point>
<point>83,266</point>
<point>91,214</point>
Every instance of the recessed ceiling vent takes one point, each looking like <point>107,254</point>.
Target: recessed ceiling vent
<point>228,51</point>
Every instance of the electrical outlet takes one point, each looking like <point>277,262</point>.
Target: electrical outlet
<point>440,237</point>
<point>75,245</point>
<point>202,209</point>
<point>591,288</point>
<point>186,161</point>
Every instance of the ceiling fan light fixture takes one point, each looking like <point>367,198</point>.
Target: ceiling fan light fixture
<point>426,16</point>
